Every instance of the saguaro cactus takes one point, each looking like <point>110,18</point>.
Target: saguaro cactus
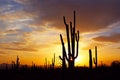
<point>90,59</point>
<point>63,53</point>
<point>72,37</point>
<point>17,62</point>
<point>95,58</point>
<point>45,65</point>
<point>53,62</point>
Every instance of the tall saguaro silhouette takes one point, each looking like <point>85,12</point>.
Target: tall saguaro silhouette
<point>72,38</point>
<point>90,58</point>
<point>95,58</point>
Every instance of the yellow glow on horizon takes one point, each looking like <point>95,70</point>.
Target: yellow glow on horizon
<point>47,50</point>
<point>81,60</point>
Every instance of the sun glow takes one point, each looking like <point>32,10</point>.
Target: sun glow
<point>81,60</point>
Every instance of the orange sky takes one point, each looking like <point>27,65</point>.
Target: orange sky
<point>31,29</point>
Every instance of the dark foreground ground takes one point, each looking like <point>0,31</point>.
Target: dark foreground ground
<point>101,73</point>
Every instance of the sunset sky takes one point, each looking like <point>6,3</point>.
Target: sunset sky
<point>30,29</point>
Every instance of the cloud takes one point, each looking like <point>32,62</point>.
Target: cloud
<point>16,15</point>
<point>118,48</point>
<point>38,22</point>
<point>22,49</point>
<point>111,38</point>
<point>91,15</point>
<point>18,46</point>
<point>2,52</point>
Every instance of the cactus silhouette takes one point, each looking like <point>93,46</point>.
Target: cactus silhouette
<point>33,66</point>
<point>17,63</point>
<point>63,54</point>
<point>13,64</point>
<point>71,34</point>
<point>53,62</point>
<point>90,58</point>
<point>45,65</point>
<point>95,58</point>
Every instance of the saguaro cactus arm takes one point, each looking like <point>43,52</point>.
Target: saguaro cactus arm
<point>71,31</point>
<point>63,49</point>
<point>60,57</point>
<point>77,39</point>
<point>61,39</point>
<point>94,60</point>
<point>64,20</point>
<point>67,33</point>
<point>74,19</point>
